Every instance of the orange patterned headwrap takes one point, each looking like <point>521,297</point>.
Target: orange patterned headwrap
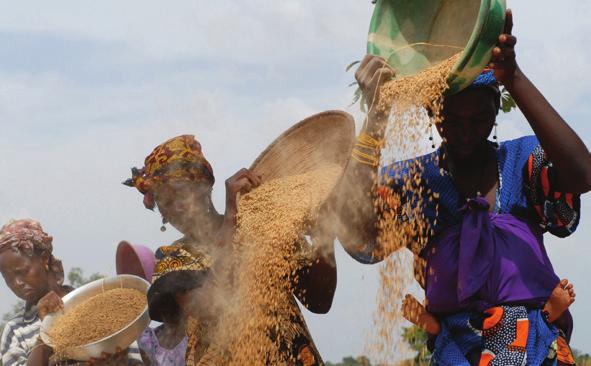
<point>178,158</point>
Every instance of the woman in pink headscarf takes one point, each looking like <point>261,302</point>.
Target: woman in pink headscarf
<point>34,275</point>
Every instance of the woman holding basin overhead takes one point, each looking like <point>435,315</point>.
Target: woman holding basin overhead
<point>490,287</point>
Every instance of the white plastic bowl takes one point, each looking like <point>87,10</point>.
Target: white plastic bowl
<point>122,339</point>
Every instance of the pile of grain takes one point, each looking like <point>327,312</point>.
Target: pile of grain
<point>96,318</point>
<point>272,221</point>
<point>415,104</point>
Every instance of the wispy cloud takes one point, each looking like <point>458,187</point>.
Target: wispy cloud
<point>88,88</point>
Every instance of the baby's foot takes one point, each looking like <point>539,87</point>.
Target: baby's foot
<point>415,312</point>
<point>561,298</point>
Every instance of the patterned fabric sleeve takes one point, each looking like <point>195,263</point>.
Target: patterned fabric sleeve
<point>12,352</point>
<point>559,212</point>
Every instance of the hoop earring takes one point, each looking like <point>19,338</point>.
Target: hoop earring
<point>431,136</point>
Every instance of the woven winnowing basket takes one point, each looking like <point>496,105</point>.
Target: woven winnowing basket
<point>319,140</point>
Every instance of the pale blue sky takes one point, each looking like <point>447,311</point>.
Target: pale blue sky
<point>87,88</point>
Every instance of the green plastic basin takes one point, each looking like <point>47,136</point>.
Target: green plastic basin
<point>416,34</point>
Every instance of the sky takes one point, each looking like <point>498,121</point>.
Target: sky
<point>88,88</point>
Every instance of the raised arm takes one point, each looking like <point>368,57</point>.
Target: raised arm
<point>354,206</point>
<point>241,182</point>
<point>564,147</point>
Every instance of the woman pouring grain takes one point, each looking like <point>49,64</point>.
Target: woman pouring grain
<point>35,276</point>
<point>178,180</point>
<point>486,205</point>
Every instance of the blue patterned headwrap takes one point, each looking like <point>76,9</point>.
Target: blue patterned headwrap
<point>487,78</point>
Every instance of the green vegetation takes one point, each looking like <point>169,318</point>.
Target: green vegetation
<point>350,361</point>
<point>77,279</point>
<point>417,340</point>
<point>582,359</point>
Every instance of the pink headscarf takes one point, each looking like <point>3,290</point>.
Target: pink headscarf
<point>27,236</point>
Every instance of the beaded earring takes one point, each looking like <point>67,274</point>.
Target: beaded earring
<point>495,136</point>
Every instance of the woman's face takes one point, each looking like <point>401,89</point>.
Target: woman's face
<point>194,302</point>
<point>468,119</point>
<point>26,276</point>
<point>181,202</point>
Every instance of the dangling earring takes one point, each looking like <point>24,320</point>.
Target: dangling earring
<point>209,202</point>
<point>431,136</point>
<point>496,136</point>
<point>163,228</point>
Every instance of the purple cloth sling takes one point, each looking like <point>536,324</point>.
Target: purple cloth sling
<point>487,260</point>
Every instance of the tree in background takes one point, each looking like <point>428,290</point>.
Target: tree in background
<point>350,361</point>
<point>582,359</point>
<point>77,279</point>
<point>417,340</point>
<point>16,310</point>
